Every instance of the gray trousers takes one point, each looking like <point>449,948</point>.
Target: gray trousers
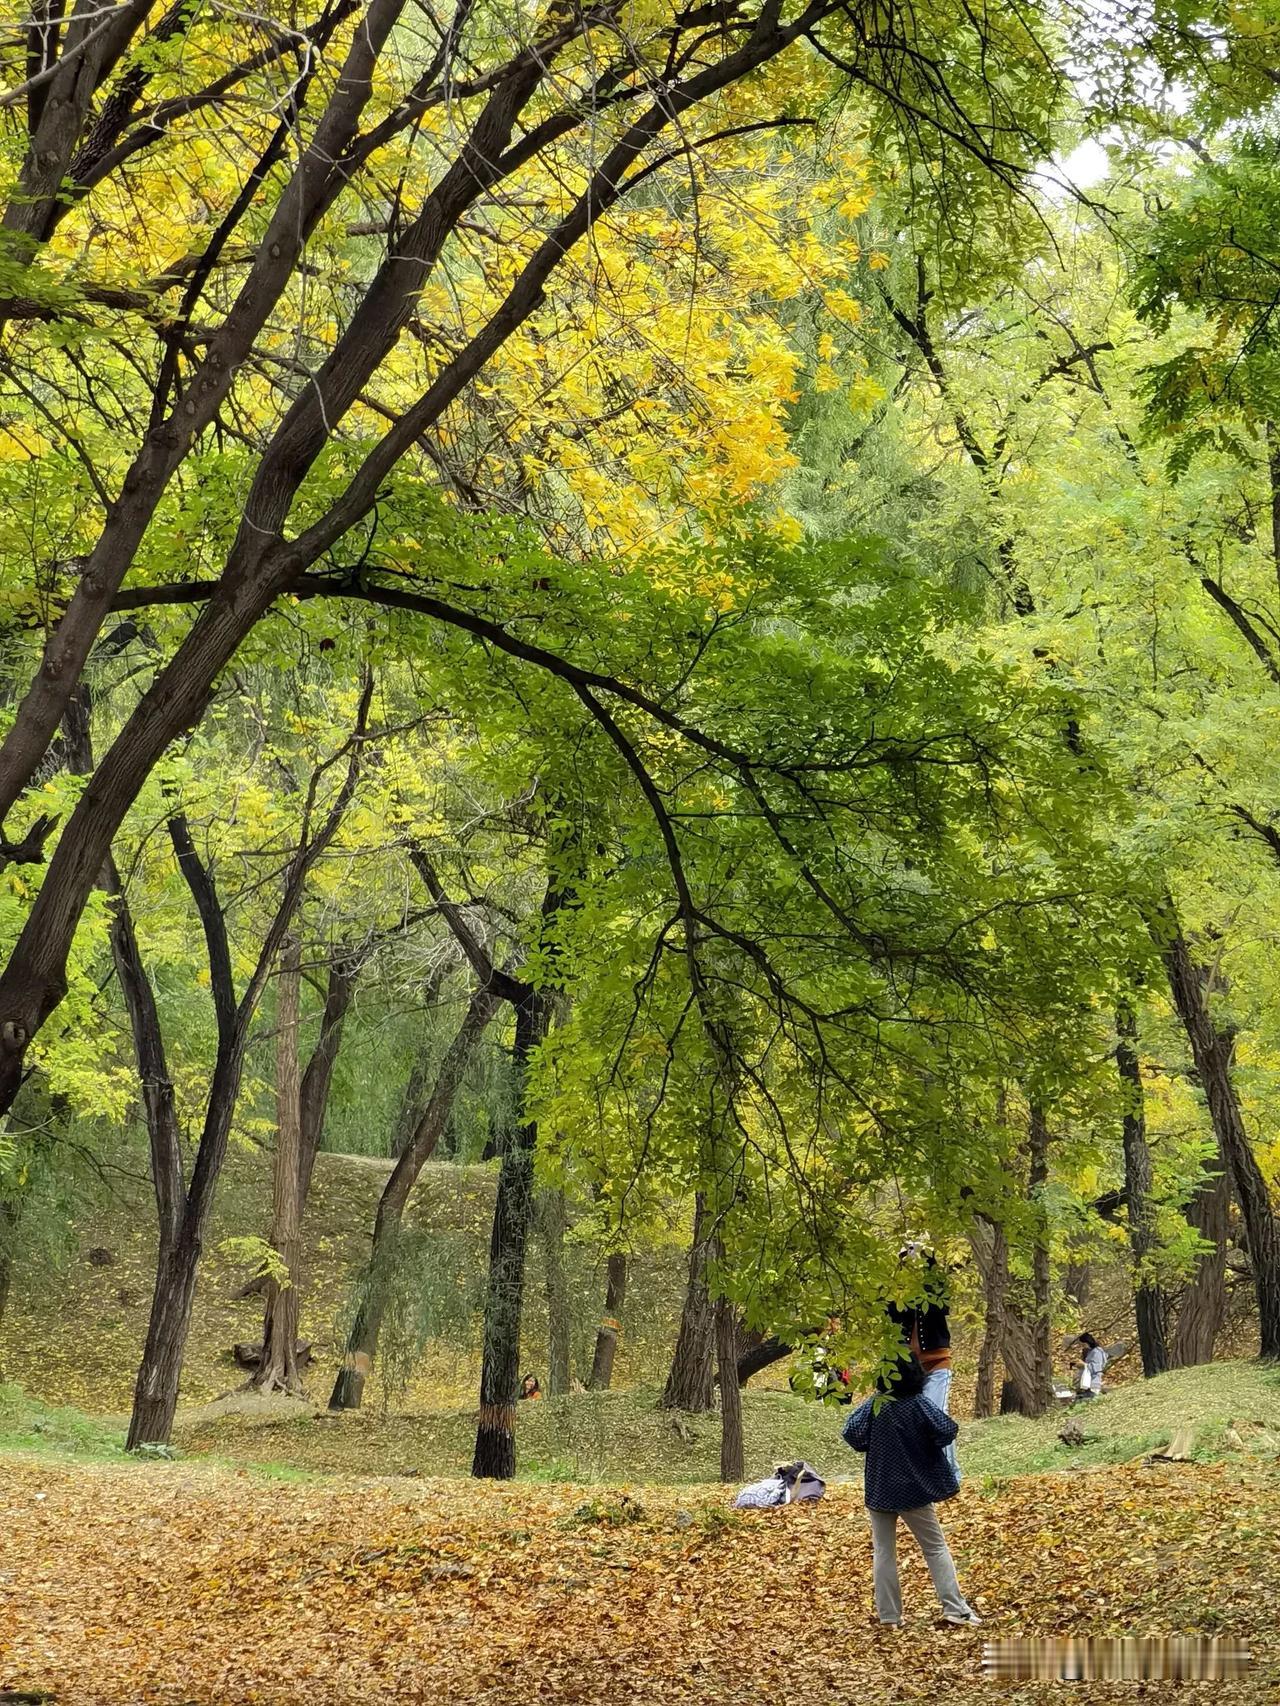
<point>927,1530</point>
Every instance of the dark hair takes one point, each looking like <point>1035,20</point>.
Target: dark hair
<point>1089,1340</point>
<point>906,1381</point>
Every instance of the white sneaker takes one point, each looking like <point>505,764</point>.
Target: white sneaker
<point>970,1620</point>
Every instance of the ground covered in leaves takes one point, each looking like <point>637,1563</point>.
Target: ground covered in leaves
<point>187,1585</point>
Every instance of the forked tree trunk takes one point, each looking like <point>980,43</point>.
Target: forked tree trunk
<point>1149,1302</point>
<point>610,1328</point>
<point>1204,1301</point>
<point>278,1369</point>
<point>552,1222</point>
<point>732,1449</point>
<point>1213,1050</point>
<point>184,1209</point>
<point>691,1381</point>
<point>362,1340</point>
<point>495,1451</point>
<point>993,1262</point>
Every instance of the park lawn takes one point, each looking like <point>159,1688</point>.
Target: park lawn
<point>184,1584</point>
<point>624,1437</point>
<point>76,1322</point>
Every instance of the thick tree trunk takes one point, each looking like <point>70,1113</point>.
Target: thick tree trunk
<point>610,1328</point>
<point>1213,1050</point>
<point>362,1340</point>
<point>732,1449</point>
<point>317,1080</point>
<point>155,1395</point>
<point>553,1223</point>
<point>278,1369</point>
<point>1041,1276</point>
<point>993,1261</point>
<point>691,1381</point>
<point>1022,1392</point>
<point>1204,1302</point>
<point>495,1451</point>
<point>1150,1304</point>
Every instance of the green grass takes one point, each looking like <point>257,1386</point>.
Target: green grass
<point>1133,1419</point>
<point>622,1437</point>
<point>615,1438</point>
<point>75,1325</point>
<point>28,1425</point>
<point>609,1437</point>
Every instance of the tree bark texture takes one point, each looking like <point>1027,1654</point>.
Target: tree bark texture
<point>278,1369</point>
<point>732,1450</point>
<point>552,1225</point>
<point>691,1381</point>
<point>992,1251</point>
<point>1149,1301</point>
<point>1204,1301</point>
<point>610,1328</point>
<point>317,1080</point>
<point>1041,1276</point>
<point>495,1450</point>
<point>755,1358</point>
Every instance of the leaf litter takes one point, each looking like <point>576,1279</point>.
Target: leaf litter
<point>189,1585</point>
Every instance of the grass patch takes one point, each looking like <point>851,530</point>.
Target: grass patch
<point>75,1326</point>
<point>593,1437</point>
<point>1132,1420</point>
<point>28,1425</point>
<point>623,1438</point>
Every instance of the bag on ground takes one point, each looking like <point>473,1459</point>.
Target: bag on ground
<point>759,1495</point>
<point>802,1482</point>
<point>790,1483</point>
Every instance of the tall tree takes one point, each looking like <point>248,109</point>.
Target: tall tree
<point>1212,1042</point>
<point>639,83</point>
<point>278,1369</point>
<point>1150,1304</point>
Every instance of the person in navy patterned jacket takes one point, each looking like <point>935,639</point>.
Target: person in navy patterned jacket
<point>905,1438</point>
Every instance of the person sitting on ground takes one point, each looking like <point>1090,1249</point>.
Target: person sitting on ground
<point>905,1437</point>
<point>529,1387</point>
<point>1089,1368</point>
